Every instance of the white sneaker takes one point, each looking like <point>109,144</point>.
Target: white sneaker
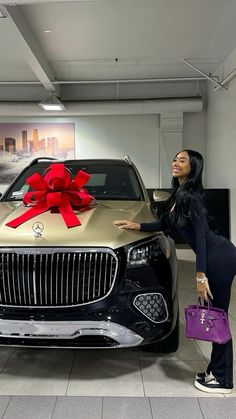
<point>211,385</point>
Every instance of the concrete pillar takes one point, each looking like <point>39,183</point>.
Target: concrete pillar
<point>171,142</point>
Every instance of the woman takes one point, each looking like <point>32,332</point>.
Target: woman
<point>215,256</point>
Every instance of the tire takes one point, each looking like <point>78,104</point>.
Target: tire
<point>165,346</point>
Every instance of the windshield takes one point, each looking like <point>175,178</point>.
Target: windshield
<point>107,181</point>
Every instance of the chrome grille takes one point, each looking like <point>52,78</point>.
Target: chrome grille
<point>52,278</point>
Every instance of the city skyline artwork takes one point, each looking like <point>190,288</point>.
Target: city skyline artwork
<point>22,142</point>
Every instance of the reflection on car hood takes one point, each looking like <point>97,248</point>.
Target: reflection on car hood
<point>96,227</point>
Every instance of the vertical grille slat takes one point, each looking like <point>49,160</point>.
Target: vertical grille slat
<point>100,275</point>
<point>40,280</point>
<point>18,277</point>
<point>111,273</point>
<point>1,273</point>
<point>83,280</point>
<point>51,280</point>
<point>46,281</point>
<point>23,280</point>
<point>72,279</point>
<point>78,277</point>
<point>13,277</point>
<point>62,276</point>
<point>8,277</point>
<point>28,279</point>
<point>67,277</point>
<point>105,276</point>
<point>89,276</point>
<point>3,283</point>
<point>56,279</point>
<point>94,275</point>
<point>57,276</point>
<point>34,282</point>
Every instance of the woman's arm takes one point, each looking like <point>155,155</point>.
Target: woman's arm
<point>199,226</point>
<point>153,226</point>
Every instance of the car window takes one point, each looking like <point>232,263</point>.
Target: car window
<point>117,182</point>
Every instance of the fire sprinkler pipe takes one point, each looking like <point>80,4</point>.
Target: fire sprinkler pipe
<point>154,80</point>
<point>219,85</point>
<point>226,80</point>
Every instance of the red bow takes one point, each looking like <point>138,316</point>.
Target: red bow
<point>58,190</point>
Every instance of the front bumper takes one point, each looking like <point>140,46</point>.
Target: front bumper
<point>71,332</point>
<point>122,319</point>
<point>121,324</point>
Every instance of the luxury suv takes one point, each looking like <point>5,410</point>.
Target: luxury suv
<point>91,285</point>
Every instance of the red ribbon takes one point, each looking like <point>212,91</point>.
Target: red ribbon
<point>56,190</point>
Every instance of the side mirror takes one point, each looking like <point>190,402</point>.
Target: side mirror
<point>160,196</point>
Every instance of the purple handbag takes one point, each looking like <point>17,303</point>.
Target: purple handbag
<point>206,323</point>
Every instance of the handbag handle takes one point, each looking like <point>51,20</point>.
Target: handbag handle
<point>209,303</point>
<point>208,306</point>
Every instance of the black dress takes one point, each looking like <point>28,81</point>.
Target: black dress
<point>216,256</point>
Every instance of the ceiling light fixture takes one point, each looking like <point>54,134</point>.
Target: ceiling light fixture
<point>52,104</point>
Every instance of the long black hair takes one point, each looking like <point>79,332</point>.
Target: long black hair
<point>187,196</point>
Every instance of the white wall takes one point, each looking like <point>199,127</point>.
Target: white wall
<point>194,134</point>
<point>117,136</point>
<point>221,137</point>
<point>135,135</point>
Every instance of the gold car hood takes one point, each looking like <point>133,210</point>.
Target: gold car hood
<point>96,227</point>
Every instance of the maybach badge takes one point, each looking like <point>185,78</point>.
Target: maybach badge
<point>38,228</point>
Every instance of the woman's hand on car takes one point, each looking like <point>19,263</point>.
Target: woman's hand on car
<point>129,225</point>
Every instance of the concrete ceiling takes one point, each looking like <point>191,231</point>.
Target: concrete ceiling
<point>92,47</point>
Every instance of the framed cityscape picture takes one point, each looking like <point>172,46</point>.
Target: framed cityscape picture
<point>22,142</point>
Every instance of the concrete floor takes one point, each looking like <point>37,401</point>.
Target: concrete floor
<point>109,384</point>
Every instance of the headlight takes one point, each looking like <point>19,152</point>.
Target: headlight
<point>142,253</point>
